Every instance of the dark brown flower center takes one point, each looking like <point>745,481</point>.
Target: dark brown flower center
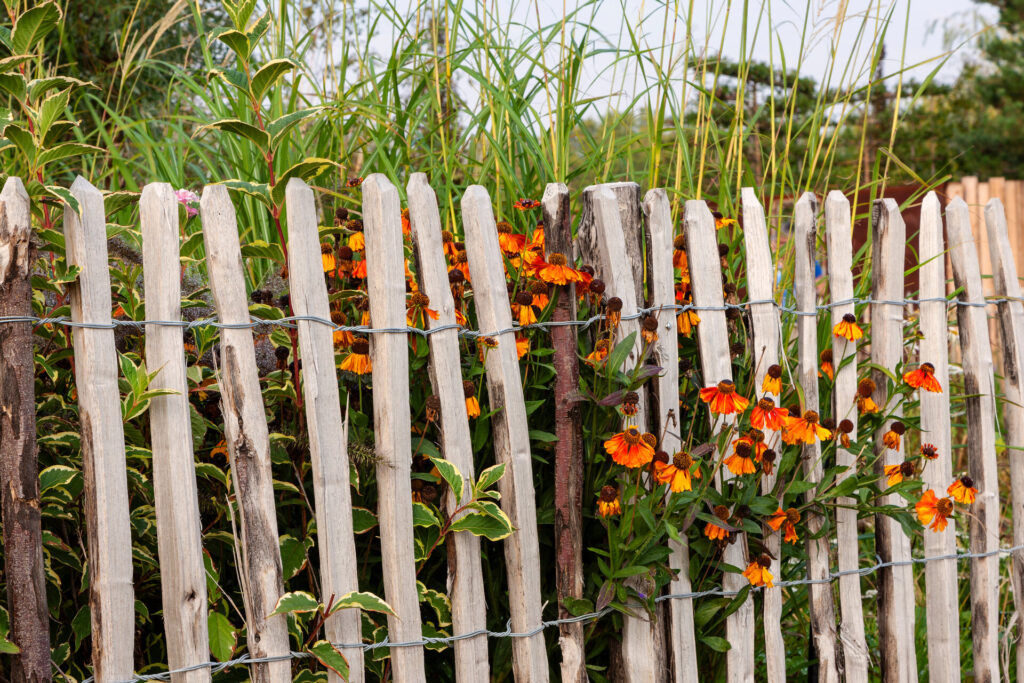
<point>631,435</point>
<point>609,494</point>
<point>766,404</point>
<point>557,259</point>
<point>849,318</point>
<point>792,515</point>
<point>682,461</point>
<point>360,346</point>
<point>722,512</point>
<point>726,387</point>
<point>775,371</point>
<point>866,387</point>
<point>944,506</point>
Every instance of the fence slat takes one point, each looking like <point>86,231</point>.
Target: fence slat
<point>667,420</point>
<point>328,440</point>
<point>465,575</point>
<point>627,201</point>
<point>765,348</point>
<point>19,460</point>
<point>896,583</point>
<point>248,442</point>
<point>179,530</point>
<point>942,604</point>
<point>111,593</point>
<point>716,366</point>
<point>389,353</point>
<point>569,444</point>
<point>981,441</point>
<point>838,226</point>
<point>1011,322</point>
<point>822,607</point>
<point>511,434</point>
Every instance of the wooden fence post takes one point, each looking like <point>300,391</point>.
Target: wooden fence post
<point>511,434</point>
<point>328,448</point>
<point>942,603</point>
<point>179,531</point>
<point>838,226</point>
<point>465,574</point>
<point>568,431</point>
<point>389,352</point>
<point>716,366</point>
<point>19,463</point>
<point>764,318</point>
<point>981,440</point>
<point>667,421</point>
<point>1011,322</point>
<point>248,441</point>
<point>627,203</point>
<point>823,617</point>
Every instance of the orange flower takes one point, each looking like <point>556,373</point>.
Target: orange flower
<point>342,338</point>
<point>526,204</point>
<point>934,510</point>
<point>522,345</point>
<point>679,253</point>
<point>766,416</point>
<point>359,271</point>
<point>757,571</point>
<point>649,329</point>
<point>923,378</point>
<point>723,399</point>
<point>629,448</point>
<point>557,272</point>
<point>356,241</point>
<point>929,451</point>
<point>327,257</point>
<point>826,365</point>
<point>418,309</point>
<point>721,221</point>
<point>789,518</point>
<point>448,244</point>
<point>358,361</point>
<point>740,462</point>
<point>848,329</point>
<point>600,352</point>
<point>354,181</point>
<point>524,310</point>
<point>676,474</point>
<point>539,290</point>
<point>772,383</point>
<point>510,242</point>
<point>472,404</point>
<point>686,321</point>
<point>804,429</point>
<point>712,530</point>
<point>891,438</point>
<point>461,263</point>
<point>537,238</point>
<point>608,503</point>
<point>896,473</point>
<point>406,223</point>
<point>963,490</point>
<point>865,388</point>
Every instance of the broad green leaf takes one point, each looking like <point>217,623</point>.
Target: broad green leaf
<point>58,131</point>
<point>331,657</point>
<point>450,473</point>
<point>51,109</point>
<point>232,77</point>
<point>33,25</point>
<point>717,644</point>
<point>293,556</point>
<point>56,475</point>
<point>280,126</point>
<point>489,507</point>
<point>440,603</point>
<point>362,520</point>
<point>23,140</point>
<point>14,84</point>
<point>223,636</point>
<point>64,151</point>
<point>191,247</point>
<point>295,601</point>
<point>64,195</point>
<point>38,87</point>
<point>13,62</point>
<point>621,351</point>
<point>424,516</point>
<point>258,190</point>
<point>364,601</point>
<point>267,75</point>
<point>241,128</point>
<point>480,524</point>
<point>490,476</point>
<point>305,169</point>
<point>239,11</point>
<point>261,249</point>
<point>259,28</point>
<point>236,40</point>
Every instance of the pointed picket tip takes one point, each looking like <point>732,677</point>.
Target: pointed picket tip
<point>14,188</point>
<point>156,192</point>
<point>81,185</point>
<point>956,203</point>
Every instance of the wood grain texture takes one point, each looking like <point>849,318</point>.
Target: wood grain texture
<point>109,541</point>
<point>569,434</point>
<point>1011,325</point>
<point>716,365</point>
<point>25,572</point>
<point>465,574</point>
<point>392,421</point>
<point>838,227</point>
<point>328,442</point>
<point>822,606</point>
<point>979,390</point>
<point>766,333</point>
<point>667,420</point>
<point>511,434</point>
<point>895,584</point>
<point>179,530</point>
<point>940,576</point>
<point>627,201</point>
<point>248,442</point>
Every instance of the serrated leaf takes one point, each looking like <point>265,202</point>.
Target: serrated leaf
<point>267,75</point>
<point>51,109</point>
<point>480,524</point>
<point>258,190</point>
<point>234,39</point>
<point>40,86</point>
<point>295,601</point>
<point>65,150</point>
<point>223,636</point>
<point>305,169</point>
<point>331,657</point>
<point>364,601</point>
<point>14,85</point>
<point>64,195</point>
<point>13,62</point>
<point>241,128</point>
<point>56,475</point>
<point>33,25</point>
<point>490,476</point>
<point>23,140</point>
<point>240,11</point>
<point>280,126</point>
<point>450,473</point>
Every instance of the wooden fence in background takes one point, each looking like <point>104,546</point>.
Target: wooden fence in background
<point>616,229</point>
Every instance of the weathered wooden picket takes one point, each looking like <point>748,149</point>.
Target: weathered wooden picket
<point>629,241</point>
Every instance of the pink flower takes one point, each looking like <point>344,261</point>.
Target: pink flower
<point>186,198</point>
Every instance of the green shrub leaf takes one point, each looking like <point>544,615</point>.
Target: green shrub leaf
<point>223,636</point>
<point>294,602</point>
<point>331,657</point>
<point>32,26</point>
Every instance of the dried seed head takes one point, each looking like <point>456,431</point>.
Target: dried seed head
<point>679,242</point>
<point>650,439</point>
<point>775,371</point>
<point>898,427</point>
<point>588,269</point>
<point>765,560</point>
<point>468,389</point>
<point>722,513</point>
<point>792,515</point>
<point>769,456</point>
<point>723,249</point>
<point>729,288</point>
<point>433,403</point>
<point>419,299</point>
<point>846,426</point>
<point>631,397</point>
<point>597,286</point>
<point>614,305</point>
<point>649,323</point>
<point>866,387</point>
<point>345,253</point>
<point>455,277</point>
<point>281,352</point>
<point>338,318</point>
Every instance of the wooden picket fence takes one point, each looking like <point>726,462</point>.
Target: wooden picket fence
<point>629,241</point>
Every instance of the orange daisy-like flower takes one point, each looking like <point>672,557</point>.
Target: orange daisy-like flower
<point>448,244</point>
<point>629,449</point>
<point>722,221</point>
<point>963,490</point>
<point>557,271</point>
<point>522,345</point>
<point>741,462</point>
<point>358,361</point>
<point>510,242</point>
<point>539,291</point>
<point>897,473</point>
<point>923,378</point>
<point>608,502</point>
<point>524,310</point>
<point>418,310</point>
<point>786,519</point>
<point>766,415</point>
<point>327,257</point>
<point>342,338</point>
<point>891,438</point>
<point>865,404</point>
<point>686,321</point>
<point>723,399</point>
<point>757,571</point>
<point>600,352</point>
<point>772,383</point>
<point>848,329</point>
<point>472,403</point>
<point>804,429</point>
<point>357,241</point>
<point>712,530</point>
<point>460,262</point>
<point>826,365</point>
<point>359,272</point>
<point>679,253</point>
<point>929,451</point>
<point>677,474</point>
<point>526,204</point>
<point>354,181</point>
<point>934,511</point>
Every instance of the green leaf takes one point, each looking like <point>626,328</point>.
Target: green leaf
<point>51,109</point>
<point>223,636</point>
<point>258,137</point>
<point>364,601</point>
<point>489,507</point>
<point>6,646</point>
<point>295,601</point>
<point>280,126</point>
<point>239,11</point>
<point>424,516</point>
<point>480,524</point>
<point>305,169</point>
<point>450,473</point>
<point>64,195</point>
<point>490,476</point>
<point>234,39</point>
<point>618,355</point>
<point>64,151</point>
<point>14,85</point>
<point>542,437</point>
<point>293,556</point>
<point>259,28</point>
<point>717,644</point>
<point>23,140</point>
<point>33,25</point>
<point>13,62</point>
<point>362,520</point>
<point>258,190</point>
<point>268,74</point>
<point>190,247</point>
<point>331,657</point>
<point>232,77</point>
<point>261,249</point>
<point>38,87</point>
<point>56,475</point>
<point>440,603</point>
